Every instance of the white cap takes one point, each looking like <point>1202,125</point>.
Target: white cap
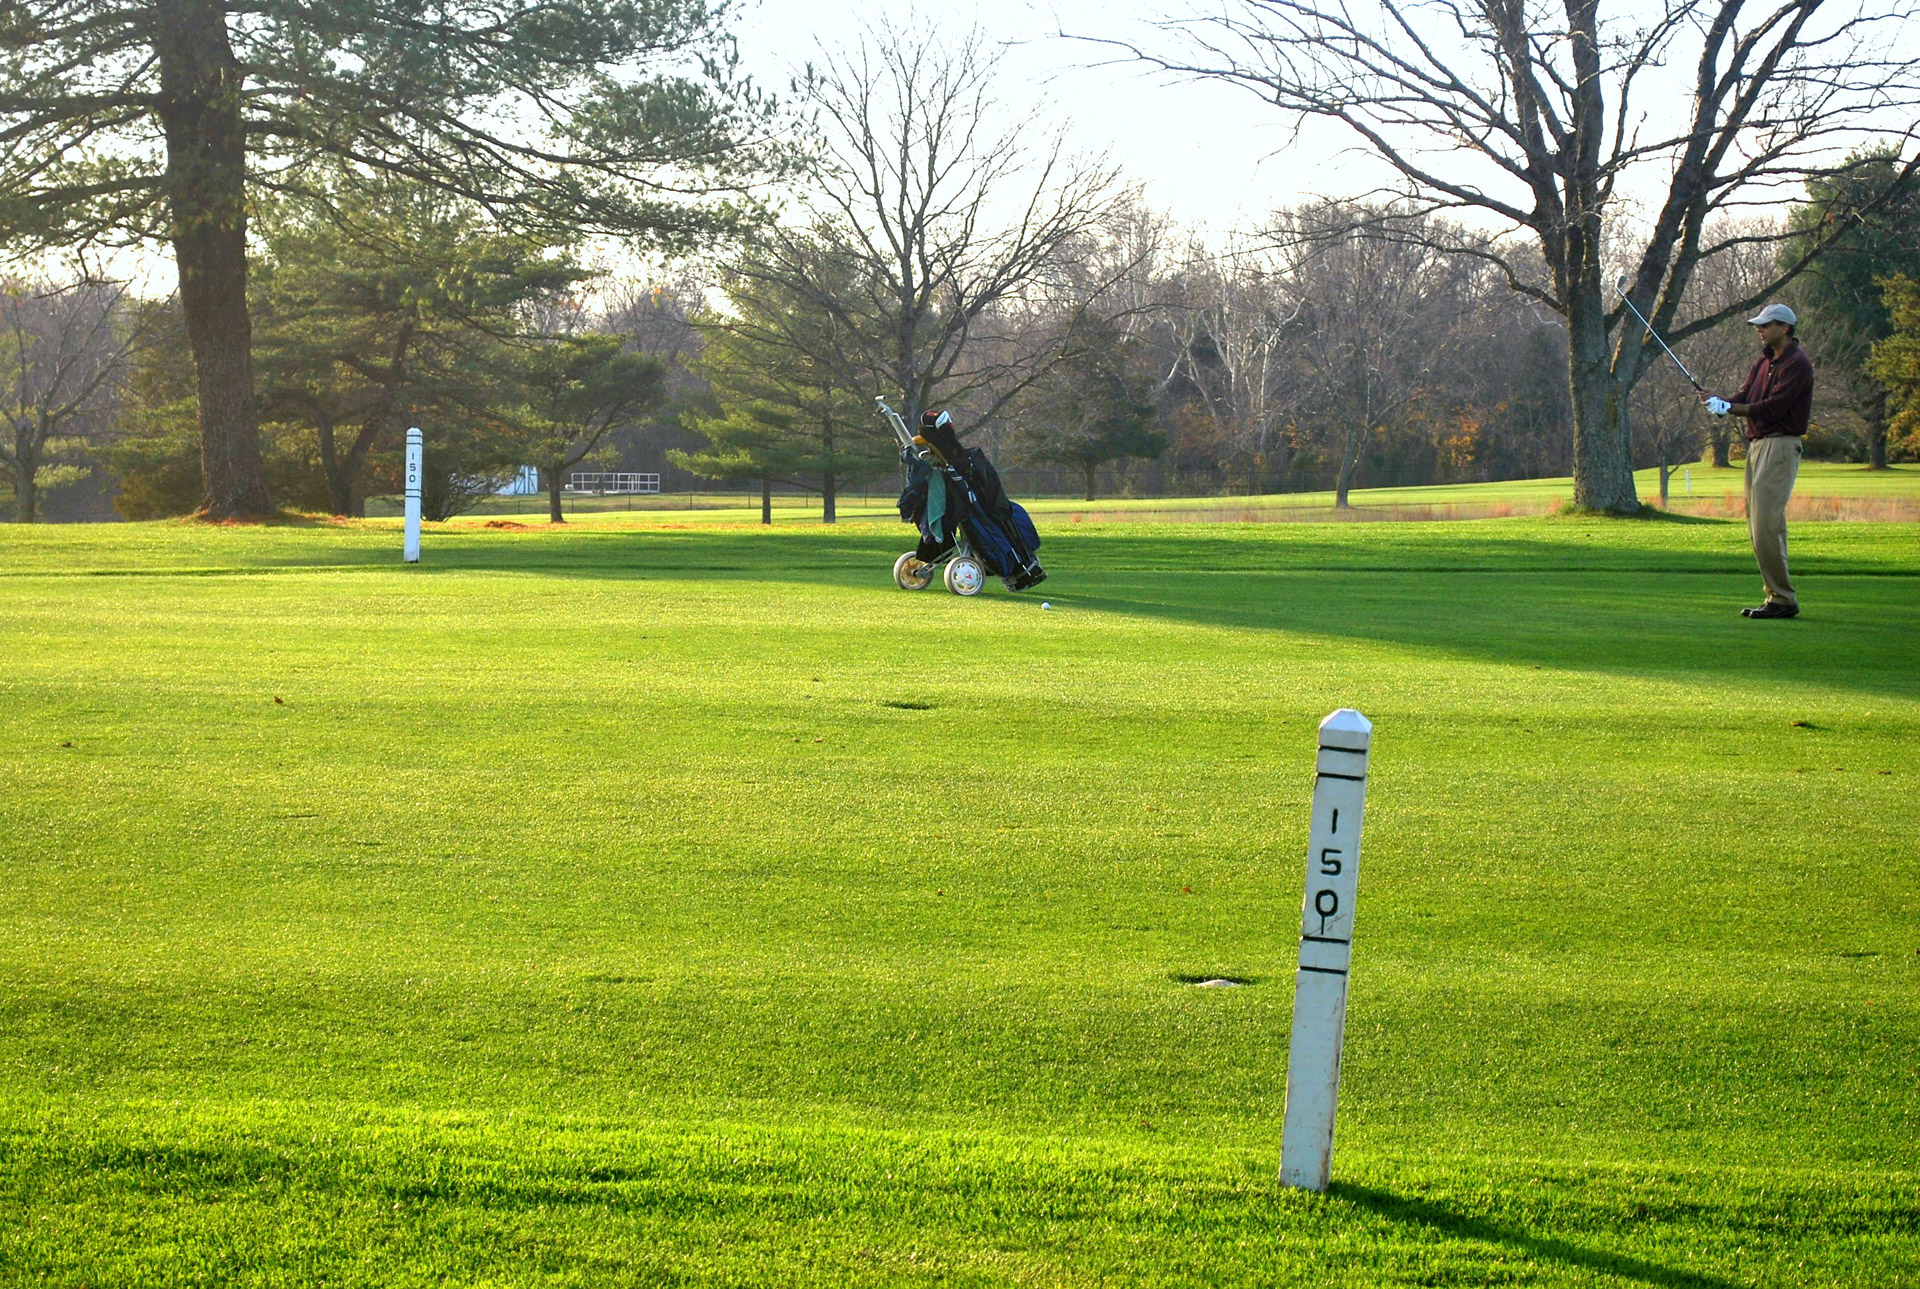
<point>1774,313</point>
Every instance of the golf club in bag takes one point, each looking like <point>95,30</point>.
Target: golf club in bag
<point>966,520</point>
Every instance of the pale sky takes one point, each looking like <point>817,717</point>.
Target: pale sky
<point>1213,156</point>
<point>1205,152</point>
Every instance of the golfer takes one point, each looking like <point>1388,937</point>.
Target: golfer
<point>1775,402</point>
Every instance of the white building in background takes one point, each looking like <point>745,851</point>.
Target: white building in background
<point>524,484</point>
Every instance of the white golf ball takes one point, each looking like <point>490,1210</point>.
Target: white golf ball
<point>1045,605</point>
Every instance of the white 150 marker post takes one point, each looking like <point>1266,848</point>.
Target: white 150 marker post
<point>416,449</point>
<point>1326,950</point>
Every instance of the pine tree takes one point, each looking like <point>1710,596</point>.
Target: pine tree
<point>1845,314</point>
<point>785,405</point>
<point>1896,364</point>
<point>385,306</point>
<point>162,120</point>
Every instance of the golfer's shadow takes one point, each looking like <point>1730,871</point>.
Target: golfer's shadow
<point>1401,1208</point>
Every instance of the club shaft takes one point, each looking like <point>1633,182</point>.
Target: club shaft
<point>1663,344</point>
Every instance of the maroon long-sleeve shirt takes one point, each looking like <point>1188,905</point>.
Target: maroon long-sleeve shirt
<point>1779,393</point>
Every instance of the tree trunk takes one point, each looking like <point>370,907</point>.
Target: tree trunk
<point>766,501</point>
<point>1876,419</point>
<point>1089,467</point>
<point>26,490</point>
<point>827,481</point>
<point>339,488</point>
<point>343,475</point>
<point>1602,455</point>
<point>348,496</point>
<point>206,182</point>
<point>1721,440</point>
<point>1349,457</point>
<point>1666,472</point>
<point>554,515</point>
<point>24,465</point>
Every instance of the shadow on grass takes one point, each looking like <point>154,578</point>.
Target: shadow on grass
<point>1653,514</point>
<point>1627,598</point>
<point>1410,1211</point>
<point>1631,625</point>
<point>862,553</point>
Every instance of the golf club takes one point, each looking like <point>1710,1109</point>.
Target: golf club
<point>1620,285</point>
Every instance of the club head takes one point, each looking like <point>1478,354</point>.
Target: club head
<point>1621,283</point>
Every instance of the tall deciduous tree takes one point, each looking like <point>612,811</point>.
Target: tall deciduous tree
<point>1092,406</point>
<point>1379,310</point>
<point>936,218</point>
<point>1549,118</point>
<point>1230,315</point>
<point>142,120</point>
<point>63,362</point>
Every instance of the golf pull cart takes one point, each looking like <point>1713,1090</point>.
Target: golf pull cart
<point>966,521</point>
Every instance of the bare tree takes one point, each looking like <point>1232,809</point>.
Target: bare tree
<point>924,225</point>
<point>1102,291</point>
<point>1505,383</point>
<point>1669,427</point>
<point>1547,119</point>
<point>1237,309</point>
<point>65,360</point>
<point>656,315</point>
<point>1091,408</point>
<point>1380,304</point>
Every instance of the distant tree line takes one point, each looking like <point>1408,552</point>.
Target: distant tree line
<point>365,243</point>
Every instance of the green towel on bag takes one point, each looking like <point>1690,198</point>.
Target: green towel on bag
<point>936,504</point>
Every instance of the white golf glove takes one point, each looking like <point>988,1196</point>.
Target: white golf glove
<point>1719,406</point>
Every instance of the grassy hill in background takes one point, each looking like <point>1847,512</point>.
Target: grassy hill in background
<point>1887,495</point>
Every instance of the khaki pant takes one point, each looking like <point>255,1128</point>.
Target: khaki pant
<point>1772,465</point>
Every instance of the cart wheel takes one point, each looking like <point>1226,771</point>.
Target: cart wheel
<point>911,573</point>
<point>965,576</point>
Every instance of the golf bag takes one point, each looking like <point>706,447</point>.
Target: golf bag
<point>954,496</point>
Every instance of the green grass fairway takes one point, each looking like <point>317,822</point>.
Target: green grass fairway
<point>684,906</point>
<point>1889,495</point>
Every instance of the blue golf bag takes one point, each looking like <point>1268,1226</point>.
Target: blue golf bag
<point>953,495</point>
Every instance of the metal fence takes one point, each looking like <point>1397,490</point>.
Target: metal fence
<point>607,485</point>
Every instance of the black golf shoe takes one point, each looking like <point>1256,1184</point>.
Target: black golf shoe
<point>1772,609</point>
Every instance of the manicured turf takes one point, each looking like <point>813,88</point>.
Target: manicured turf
<point>1698,486</point>
<point>689,906</point>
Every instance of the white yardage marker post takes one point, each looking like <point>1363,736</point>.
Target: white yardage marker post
<point>416,449</point>
<point>1326,950</point>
